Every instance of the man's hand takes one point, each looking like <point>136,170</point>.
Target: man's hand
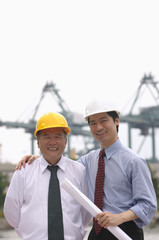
<point>25,159</point>
<point>106,219</point>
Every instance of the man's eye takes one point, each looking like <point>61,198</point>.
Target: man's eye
<point>46,137</point>
<point>92,123</point>
<point>104,120</point>
<point>57,137</point>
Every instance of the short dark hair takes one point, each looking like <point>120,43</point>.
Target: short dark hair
<point>114,115</point>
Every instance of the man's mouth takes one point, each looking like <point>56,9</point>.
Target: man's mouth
<point>100,134</point>
<point>52,149</point>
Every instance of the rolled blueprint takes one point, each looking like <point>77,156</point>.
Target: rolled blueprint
<point>91,208</point>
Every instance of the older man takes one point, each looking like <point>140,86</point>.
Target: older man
<point>28,207</point>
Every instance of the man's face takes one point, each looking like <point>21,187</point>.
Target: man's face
<point>52,142</point>
<point>103,128</point>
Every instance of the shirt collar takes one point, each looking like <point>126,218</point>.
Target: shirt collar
<point>44,163</point>
<point>113,148</point>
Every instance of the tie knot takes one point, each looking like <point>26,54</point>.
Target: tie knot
<point>52,168</point>
<point>102,153</point>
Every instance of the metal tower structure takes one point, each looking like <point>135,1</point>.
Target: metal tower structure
<point>78,128</point>
<point>148,118</point>
<point>146,121</point>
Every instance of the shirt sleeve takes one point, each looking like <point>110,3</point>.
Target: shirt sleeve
<point>144,196</point>
<point>14,199</point>
<point>86,216</point>
<point>82,160</point>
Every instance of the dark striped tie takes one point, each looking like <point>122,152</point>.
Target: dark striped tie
<point>55,219</point>
<point>98,197</point>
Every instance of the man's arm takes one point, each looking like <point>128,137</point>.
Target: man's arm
<point>26,159</point>
<point>86,216</point>
<point>106,219</point>
<point>144,200</point>
<point>14,200</point>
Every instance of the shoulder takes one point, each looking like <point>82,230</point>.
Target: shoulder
<point>129,153</point>
<point>134,160</point>
<point>89,157</point>
<point>28,169</point>
<point>75,172</point>
<point>74,164</point>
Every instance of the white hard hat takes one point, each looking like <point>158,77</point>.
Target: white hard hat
<point>100,106</point>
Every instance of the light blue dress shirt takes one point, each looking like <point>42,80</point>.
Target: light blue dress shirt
<point>127,183</point>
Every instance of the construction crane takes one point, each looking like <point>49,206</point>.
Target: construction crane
<point>78,128</point>
<point>148,118</point>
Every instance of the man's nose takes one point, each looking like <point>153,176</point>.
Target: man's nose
<point>99,126</point>
<point>52,140</point>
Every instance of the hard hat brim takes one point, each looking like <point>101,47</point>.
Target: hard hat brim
<point>67,130</point>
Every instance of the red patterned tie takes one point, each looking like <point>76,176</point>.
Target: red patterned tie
<point>98,197</point>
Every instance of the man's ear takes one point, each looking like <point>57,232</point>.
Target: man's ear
<point>65,142</point>
<point>117,121</point>
<point>38,143</point>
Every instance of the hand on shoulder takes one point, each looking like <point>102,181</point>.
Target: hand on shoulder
<point>26,159</point>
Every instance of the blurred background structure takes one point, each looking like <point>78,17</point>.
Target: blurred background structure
<point>146,120</point>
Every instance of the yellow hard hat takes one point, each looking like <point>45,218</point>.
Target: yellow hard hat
<point>51,120</point>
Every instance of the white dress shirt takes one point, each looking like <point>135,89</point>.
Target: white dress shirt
<point>26,202</point>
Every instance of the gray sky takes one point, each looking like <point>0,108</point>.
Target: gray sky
<point>87,48</point>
